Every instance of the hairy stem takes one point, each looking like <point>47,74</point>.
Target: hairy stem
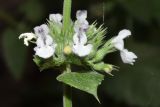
<point>67,92</point>
<point>66,15</point>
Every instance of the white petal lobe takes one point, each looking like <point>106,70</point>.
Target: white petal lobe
<point>44,52</point>
<point>124,33</point>
<point>128,57</point>
<point>82,50</point>
<point>81,15</point>
<point>56,18</point>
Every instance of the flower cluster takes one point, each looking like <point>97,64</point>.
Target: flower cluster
<point>82,44</point>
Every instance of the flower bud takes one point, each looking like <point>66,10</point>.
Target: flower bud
<point>107,68</point>
<point>67,50</point>
<point>99,66</point>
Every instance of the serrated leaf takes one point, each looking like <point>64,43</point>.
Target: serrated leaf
<point>14,52</point>
<point>88,81</point>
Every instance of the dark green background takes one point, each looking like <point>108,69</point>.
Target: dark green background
<point>22,85</point>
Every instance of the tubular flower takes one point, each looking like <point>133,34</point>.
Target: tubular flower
<point>118,42</point>
<point>79,47</point>
<point>80,39</point>
<point>45,46</point>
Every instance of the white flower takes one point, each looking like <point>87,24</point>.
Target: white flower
<point>118,41</point>
<point>79,47</point>
<point>27,37</point>
<point>45,45</point>
<point>56,18</point>
<point>81,24</point>
<point>128,57</point>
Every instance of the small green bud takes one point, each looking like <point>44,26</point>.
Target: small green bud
<point>107,68</point>
<point>99,66</point>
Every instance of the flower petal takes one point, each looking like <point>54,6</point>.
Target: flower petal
<point>80,38</point>
<point>55,17</point>
<point>41,30</point>
<point>128,57</point>
<point>81,26</point>
<point>49,40</point>
<point>124,33</point>
<point>40,42</point>
<point>44,52</point>
<point>118,43</point>
<point>82,50</point>
<point>81,15</point>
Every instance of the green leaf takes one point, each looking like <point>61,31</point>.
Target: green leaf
<point>88,81</point>
<point>14,52</point>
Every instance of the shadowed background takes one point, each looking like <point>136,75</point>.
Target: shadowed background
<point>23,85</point>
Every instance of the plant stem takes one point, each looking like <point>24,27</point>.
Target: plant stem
<point>67,95</point>
<point>67,92</point>
<point>66,15</point>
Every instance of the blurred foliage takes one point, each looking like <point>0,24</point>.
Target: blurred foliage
<point>143,10</point>
<point>33,10</point>
<point>139,84</point>
<point>14,53</point>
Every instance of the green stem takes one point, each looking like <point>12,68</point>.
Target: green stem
<point>66,15</point>
<point>67,92</point>
<point>67,95</point>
